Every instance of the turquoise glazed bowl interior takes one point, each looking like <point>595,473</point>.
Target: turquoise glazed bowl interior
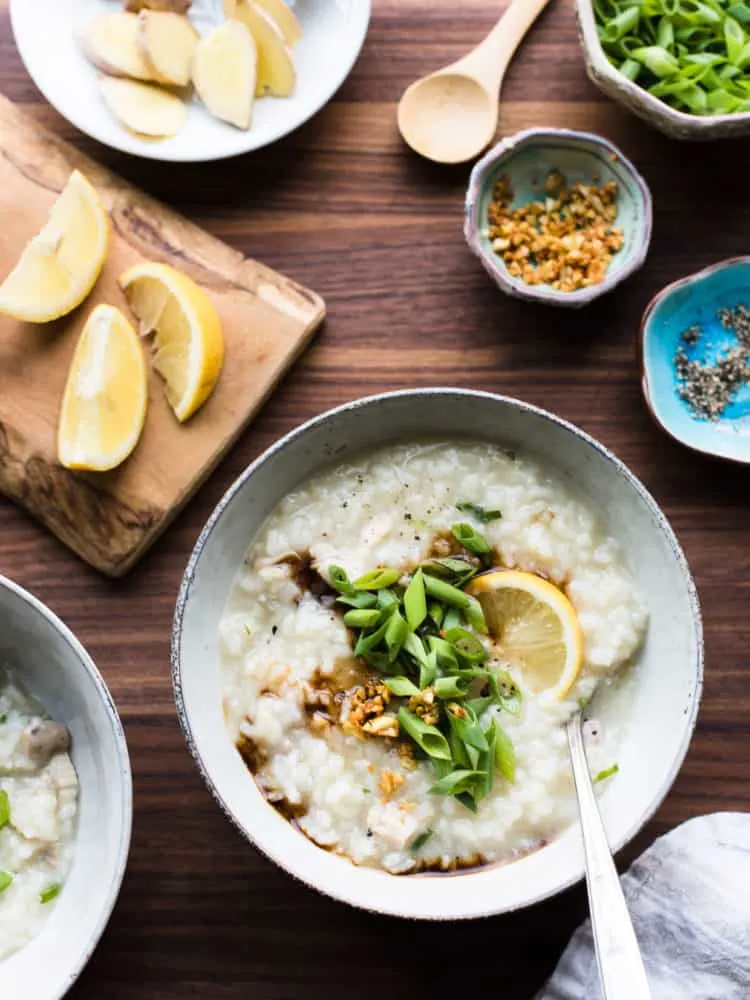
<point>527,159</point>
<point>696,300</point>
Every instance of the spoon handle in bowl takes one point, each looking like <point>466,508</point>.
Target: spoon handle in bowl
<point>489,60</point>
<point>621,970</point>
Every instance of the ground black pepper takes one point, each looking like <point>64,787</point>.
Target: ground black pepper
<point>709,388</point>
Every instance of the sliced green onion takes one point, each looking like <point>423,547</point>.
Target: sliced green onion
<point>436,612</point>
<point>467,645</point>
<point>6,879</point>
<point>377,579</point>
<point>4,808</point>
<point>445,592</point>
<point>340,580</point>
<point>471,540</point>
<point>453,619</point>
<point>395,634</point>
<point>505,755</point>
<point>414,647</point>
<point>415,601</point>
<point>475,616</point>
<point>428,738</point>
<point>505,691</point>
<point>402,687</point>
<point>607,773</point>
<point>450,569</point>
<point>364,618</point>
<point>482,514</point>
<point>468,730</point>
<point>456,782</point>
<point>444,651</point>
<point>451,687</point>
<point>50,892</point>
<point>369,641</point>
<point>362,600</point>
<point>385,599</point>
<point>478,706</point>
<point>428,670</point>
<point>419,842</point>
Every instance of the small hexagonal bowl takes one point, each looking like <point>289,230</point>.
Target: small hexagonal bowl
<point>674,123</point>
<point>527,158</point>
<point>696,300</point>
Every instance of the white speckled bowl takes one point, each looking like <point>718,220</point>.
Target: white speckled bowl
<point>54,667</point>
<point>676,124</point>
<point>666,693</point>
<point>527,159</point>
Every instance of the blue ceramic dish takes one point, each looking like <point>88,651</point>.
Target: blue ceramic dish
<point>527,159</point>
<point>696,300</point>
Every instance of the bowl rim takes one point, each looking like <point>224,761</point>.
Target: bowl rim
<point>695,277</point>
<point>125,777</point>
<point>694,124</point>
<point>352,407</point>
<point>543,293</point>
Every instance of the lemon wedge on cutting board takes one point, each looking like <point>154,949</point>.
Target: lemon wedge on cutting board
<point>534,626</point>
<point>59,266</point>
<point>188,339</point>
<point>105,398</point>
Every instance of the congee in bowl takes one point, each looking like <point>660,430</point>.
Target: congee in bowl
<point>385,625</point>
<point>38,813</point>
<point>398,719</point>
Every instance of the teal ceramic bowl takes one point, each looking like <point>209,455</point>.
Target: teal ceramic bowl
<point>527,159</point>
<point>696,301</point>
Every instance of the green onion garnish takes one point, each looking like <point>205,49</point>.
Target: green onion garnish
<point>419,842</point>
<point>4,808</point>
<point>482,514</point>
<point>606,773</point>
<point>471,540</point>
<point>50,892</point>
<point>6,879</point>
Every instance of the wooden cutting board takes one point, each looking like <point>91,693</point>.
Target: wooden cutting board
<point>110,519</point>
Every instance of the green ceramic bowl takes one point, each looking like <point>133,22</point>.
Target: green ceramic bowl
<point>527,159</point>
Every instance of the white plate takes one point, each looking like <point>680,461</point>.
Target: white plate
<point>47,33</point>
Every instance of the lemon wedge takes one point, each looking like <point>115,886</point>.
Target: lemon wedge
<point>106,393</point>
<point>59,266</point>
<point>534,626</point>
<point>188,341</point>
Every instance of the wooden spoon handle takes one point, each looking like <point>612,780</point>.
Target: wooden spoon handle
<point>489,60</point>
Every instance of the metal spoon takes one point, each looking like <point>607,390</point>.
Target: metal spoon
<point>621,970</point>
<point>451,115</point>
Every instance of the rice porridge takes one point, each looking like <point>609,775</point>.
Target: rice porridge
<point>404,642</point>
<point>38,806</point>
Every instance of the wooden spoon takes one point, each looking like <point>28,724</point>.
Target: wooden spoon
<point>450,116</point>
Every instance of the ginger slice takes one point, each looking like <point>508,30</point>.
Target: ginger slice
<point>145,110</point>
<point>110,42</point>
<point>276,74</point>
<point>167,43</point>
<point>224,73</point>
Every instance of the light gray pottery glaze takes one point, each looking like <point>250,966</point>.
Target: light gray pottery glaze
<point>527,158</point>
<point>610,81</point>
<point>667,682</point>
<point>54,667</point>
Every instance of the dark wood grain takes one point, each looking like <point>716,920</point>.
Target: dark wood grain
<point>343,208</point>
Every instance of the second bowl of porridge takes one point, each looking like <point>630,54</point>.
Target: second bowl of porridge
<point>432,583</point>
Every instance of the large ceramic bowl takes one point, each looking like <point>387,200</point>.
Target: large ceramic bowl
<point>54,667</point>
<point>669,674</point>
<point>677,124</point>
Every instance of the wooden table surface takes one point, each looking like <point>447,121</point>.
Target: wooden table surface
<point>344,208</point>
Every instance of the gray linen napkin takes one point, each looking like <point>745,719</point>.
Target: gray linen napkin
<point>689,896</point>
